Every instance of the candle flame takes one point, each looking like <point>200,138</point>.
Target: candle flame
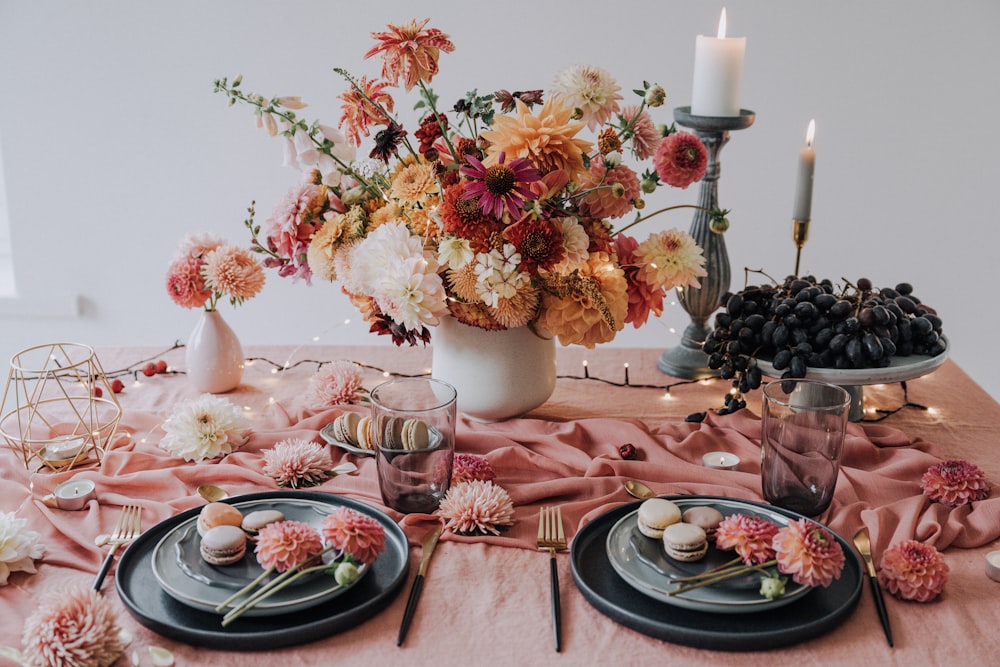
<point>811,132</point>
<point>722,24</point>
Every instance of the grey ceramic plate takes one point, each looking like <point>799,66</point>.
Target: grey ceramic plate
<point>643,564</point>
<point>186,577</point>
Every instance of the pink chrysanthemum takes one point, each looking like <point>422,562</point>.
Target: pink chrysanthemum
<point>643,298</point>
<point>469,467</point>
<point>336,383</point>
<point>612,192</point>
<point>645,137</point>
<point>75,627</point>
<point>410,52</point>
<point>590,89</point>
<point>809,553</point>
<point>955,483</point>
<point>500,186</point>
<point>680,159</point>
<point>297,462</point>
<point>354,533</point>
<point>234,272</point>
<point>285,544</point>
<point>186,285</point>
<point>912,570</point>
<point>750,536</point>
<point>477,507</point>
<point>670,259</point>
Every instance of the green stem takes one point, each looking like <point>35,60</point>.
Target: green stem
<point>725,576</point>
<point>643,218</point>
<point>246,589</point>
<point>709,573</point>
<point>444,134</point>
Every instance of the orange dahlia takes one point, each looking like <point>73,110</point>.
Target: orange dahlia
<point>588,306</point>
<point>603,200</point>
<point>286,544</point>
<point>808,552</point>
<point>548,139</point>
<point>912,570</point>
<point>749,535</point>
<point>410,52</point>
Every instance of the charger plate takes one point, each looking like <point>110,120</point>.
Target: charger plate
<point>161,613</point>
<point>814,614</point>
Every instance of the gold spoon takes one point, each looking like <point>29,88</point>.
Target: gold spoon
<point>637,489</point>
<point>211,493</point>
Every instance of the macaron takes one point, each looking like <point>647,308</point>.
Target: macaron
<point>685,542</point>
<point>706,518</point>
<point>218,514</point>
<point>254,521</point>
<point>345,428</point>
<point>365,437</point>
<point>655,514</point>
<point>414,435</point>
<point>392,429</point>
<point>223,545</point>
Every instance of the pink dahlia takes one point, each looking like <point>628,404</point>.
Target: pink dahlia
<point>809,553</point>
<point>74,627</point>
<point>955,483</point>
<point>291,226</point>
<point>912,570</point>
<point>468,467</point>
<point>643,298</point>
<point>749,535</point>
<point>645,137</point>
<point>501,185</point>
<point>670,259</point>
<point>354,533</point>
<point>186,285</point>
<point>297,462</point>
<point>612,192</point>
<point>410,52</point>
<point>477,507</point>
<point>286,544</point>
<point>335,383</point>
<point>234,272</point>
<point>680,159</point>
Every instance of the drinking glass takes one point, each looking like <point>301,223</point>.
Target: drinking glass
<point>413,428</point>
<point>803,423</point>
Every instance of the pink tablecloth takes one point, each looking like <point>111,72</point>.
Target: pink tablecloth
<point>486,599</point>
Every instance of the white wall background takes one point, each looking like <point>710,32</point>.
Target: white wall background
<point>114,145</point>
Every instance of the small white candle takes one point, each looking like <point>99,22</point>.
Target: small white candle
<point>802,209</point>
<point>74,494</point>
<point>720,460</point>
<point>718,73</point>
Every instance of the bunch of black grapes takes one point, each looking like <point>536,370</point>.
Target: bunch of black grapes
<point>804,323</point>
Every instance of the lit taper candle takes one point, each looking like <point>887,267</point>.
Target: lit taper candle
<point>802,209</point>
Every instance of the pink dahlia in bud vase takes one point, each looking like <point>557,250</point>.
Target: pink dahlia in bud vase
<point>205,269</point>
<point>500,210</point>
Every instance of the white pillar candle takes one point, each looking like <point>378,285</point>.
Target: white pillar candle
<point>802,208</point>
<point>718,73</point>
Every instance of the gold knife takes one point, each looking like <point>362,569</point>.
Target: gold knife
<point>418,582</point>
<point>863,544</point>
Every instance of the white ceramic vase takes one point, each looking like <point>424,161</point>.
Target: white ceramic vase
<point>498,374</point>
<point>214,355</point>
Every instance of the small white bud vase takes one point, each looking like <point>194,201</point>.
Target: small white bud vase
<point>213,354</point>
<point>497,374</point>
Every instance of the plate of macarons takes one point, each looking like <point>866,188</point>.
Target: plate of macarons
<point>350,431</point>
<point>361,434</point>
<point>206,559</point>
<point>664,541</point>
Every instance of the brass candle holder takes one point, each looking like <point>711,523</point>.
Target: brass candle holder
<point>800,234</point>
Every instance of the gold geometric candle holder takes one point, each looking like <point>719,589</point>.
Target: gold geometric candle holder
<point>50,409</point>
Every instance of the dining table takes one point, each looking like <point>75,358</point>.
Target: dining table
<point>613,416</point>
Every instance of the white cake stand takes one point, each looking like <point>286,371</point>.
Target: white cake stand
<point>853,380</point>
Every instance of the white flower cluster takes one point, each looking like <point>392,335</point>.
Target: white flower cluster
<point>205,428</point>
<point>18,547</point>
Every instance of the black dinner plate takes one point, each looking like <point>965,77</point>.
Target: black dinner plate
<point>153,608</point>
<point>814,614</point>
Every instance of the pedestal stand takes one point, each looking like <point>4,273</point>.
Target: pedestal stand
<point>687,360</point>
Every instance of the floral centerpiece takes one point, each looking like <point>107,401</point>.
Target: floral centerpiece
<point>498,210</point>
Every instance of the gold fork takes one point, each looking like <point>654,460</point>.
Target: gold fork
<point>552,538</point>
<point>128,528</point>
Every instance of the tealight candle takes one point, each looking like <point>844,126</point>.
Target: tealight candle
<point>718,73</point>
<point>993,565</point>
<point>720,460</point>
<point>74,494</point>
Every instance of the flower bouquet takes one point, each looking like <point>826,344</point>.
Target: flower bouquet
<point>496,210</point>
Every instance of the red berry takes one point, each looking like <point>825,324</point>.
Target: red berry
<point>97,392</point>
<point>117,386</point>
<point>628,451</point>
<point>149,370</point>
<point>161,366</point>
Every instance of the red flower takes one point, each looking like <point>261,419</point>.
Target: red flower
<point>540,244</point>
<point>354,533</point>
<point>680,159</point>
<point>809,553</point>
<point>955,483</point>
<point>749,535</point>
<point>643,298</point>
<point>913,571</point>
